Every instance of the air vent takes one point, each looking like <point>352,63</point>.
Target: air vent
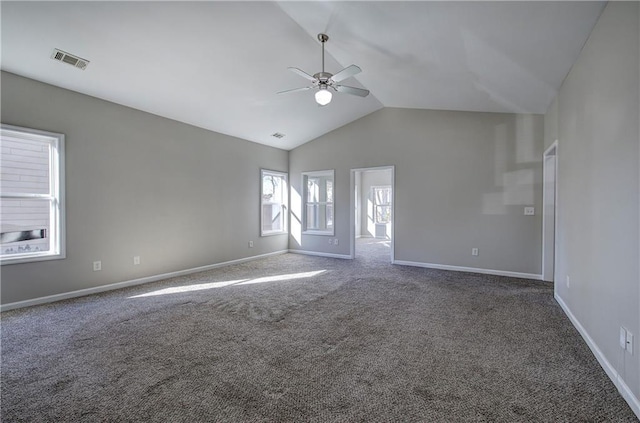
<point>70,59</point>
<point>278,135</point>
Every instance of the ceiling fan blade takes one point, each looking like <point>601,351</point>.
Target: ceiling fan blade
<point>294,90</point>
<point>303,74</point>
<point>346,73</point>
<point>352,90</point>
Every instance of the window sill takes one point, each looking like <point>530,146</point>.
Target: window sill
<point>325,233</point>
<point>274,233</point>
<point>29,258</point>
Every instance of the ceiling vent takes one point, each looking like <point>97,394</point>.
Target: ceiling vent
<point>70,59</point>
<point>278,135</point>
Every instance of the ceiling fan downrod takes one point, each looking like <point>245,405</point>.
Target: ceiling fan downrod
<point>323,39</point>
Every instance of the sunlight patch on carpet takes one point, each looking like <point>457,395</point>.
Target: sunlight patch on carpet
<point>212,285</point>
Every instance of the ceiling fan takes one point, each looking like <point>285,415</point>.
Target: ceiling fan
<point>325,81</point>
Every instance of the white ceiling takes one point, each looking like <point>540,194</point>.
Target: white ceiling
<point>218,65</point>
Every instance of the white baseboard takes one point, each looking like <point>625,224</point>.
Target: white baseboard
<point>316,253</point>
<point>469,269</point>
<point>133,282</point>
<point>615,377</point>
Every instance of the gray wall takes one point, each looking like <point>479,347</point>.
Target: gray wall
<point>138,184</point>
<point>595,119</point>
<point>462,180</point>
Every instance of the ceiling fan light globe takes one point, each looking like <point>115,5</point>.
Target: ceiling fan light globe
<point>323,97</point>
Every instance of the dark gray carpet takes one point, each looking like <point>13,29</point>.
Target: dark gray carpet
<point>363,341</point>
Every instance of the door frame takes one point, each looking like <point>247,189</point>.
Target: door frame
<point>352,208</point>
<point>549,152</point>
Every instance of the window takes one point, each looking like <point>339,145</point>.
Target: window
<point>318,202</point>
<point>273,202</point>
<point>32,195</point>
<point>382,204</point>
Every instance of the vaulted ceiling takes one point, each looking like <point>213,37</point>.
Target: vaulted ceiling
<point>219,65</point>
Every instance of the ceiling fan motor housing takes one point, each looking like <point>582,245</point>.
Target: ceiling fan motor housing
<point>323,76</point>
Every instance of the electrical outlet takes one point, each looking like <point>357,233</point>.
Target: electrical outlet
<point>529,211</point>
<point>97,266</point>
<point>330,241</point>
<point>474,251</point>
<point>623,338</point>
<point>335,241</point>
<point>136,260</point>
<point>568,281</point>
<point>629,343</point>
<point>250,244</point>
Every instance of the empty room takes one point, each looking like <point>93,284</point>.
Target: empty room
<point>320,211</point>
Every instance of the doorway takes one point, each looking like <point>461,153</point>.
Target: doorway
<point>372,211</point>
<point>549,211</point>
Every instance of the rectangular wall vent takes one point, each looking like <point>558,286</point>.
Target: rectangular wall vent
<point>70,59</point>
<point>277,135</point>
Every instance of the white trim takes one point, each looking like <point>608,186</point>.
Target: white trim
<point>318,232</point>
<point>133,282</point>
<point>373,195</point>
<point>318,173</point>
<point>284,205</point>
<point>470,269</point>
<point>547,153</point>
<point>615,377</point>
<point>550,149</point>
<point>57,219</point>
<point>320,254</point>
<point>364,169</point>
<point>352,207</point>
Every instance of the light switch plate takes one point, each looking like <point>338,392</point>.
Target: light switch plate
<point>629,342</point>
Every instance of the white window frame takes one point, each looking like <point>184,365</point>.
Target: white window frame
<point>376,205</point>
<point>57,247</point>
<point>283,206</point>
<point>305,178</point>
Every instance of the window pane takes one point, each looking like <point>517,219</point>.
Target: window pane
<point>318,201</point>
<point>24,166</point>
<point>271,217</point>
<point>277,189</point>
<point>312,216</point>
<point>267,188</point>
<point>383,214</point>
<point>382,196</point>
<point>313,191</point>
<point>274,196</point>
<point>24,224</point>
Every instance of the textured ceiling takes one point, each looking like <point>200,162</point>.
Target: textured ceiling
<point>218,65</point>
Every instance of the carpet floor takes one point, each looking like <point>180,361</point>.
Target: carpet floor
<point>295,338</point>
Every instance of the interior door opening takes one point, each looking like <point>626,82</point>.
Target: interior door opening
<point>372,217</point>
